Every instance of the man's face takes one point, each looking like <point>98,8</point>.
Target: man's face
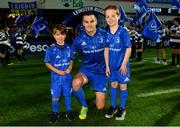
<point>89,23</point>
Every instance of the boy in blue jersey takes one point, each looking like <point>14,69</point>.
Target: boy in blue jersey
<point>58,59</point>
<point>90,43</point>
<point>117,53</point>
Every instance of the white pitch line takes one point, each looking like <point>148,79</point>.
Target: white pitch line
<point>159,92</point>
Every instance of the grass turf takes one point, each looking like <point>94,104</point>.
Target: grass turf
<point>25,96</point>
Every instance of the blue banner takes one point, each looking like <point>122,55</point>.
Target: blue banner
<point>123,16</point>
<point>19,19</point>
<point>176,3</point>
<point>22,5</point>
<point>141,9</point>
<point>151,28</point>
<point>39,25</point>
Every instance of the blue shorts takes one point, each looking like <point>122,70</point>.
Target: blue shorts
<point>99,81</point>
<point>61,88</point>
<point>117,76</point>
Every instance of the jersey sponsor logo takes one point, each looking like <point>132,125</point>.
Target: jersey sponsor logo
<point>61,64</point>
<point>83,43</point>
<point>115,49</point>
<point>93,51</point>
<point>126,79</point>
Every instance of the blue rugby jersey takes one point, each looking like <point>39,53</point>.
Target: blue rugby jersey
<point>117,44</point>
<point>59,57</point>
<point>92,50</point>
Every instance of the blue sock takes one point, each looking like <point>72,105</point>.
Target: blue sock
<point>113,93</point>
<point>67,100</point>
<point>81,97</point>
<point>123,97</point>
<point>55,106</point>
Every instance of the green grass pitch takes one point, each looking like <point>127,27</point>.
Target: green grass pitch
<point>25,96</point>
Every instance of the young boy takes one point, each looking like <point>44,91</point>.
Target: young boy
<point>175,41</point>
<point>58,59</point>
<point>161,46</point>
<point>117,53</point>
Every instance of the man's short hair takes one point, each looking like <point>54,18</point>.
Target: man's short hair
<point>88,14</point>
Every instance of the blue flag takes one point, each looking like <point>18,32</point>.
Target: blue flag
<point>39,25</point>
<point>176,3</point>
<point>123,16</point>
<point>19,19</point>
<point>141,9</point>
<point>151,28</point>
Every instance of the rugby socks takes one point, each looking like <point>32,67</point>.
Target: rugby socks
<point>177,58</point>
<point>113,93</point>
<point>55,105</point>
<point>123,98</point>
<point>173,59</point>
<point>81,97</point>
<point>164,60</point>
<point>139,56</point>
<point>67,100</point>
<point>158,59</point>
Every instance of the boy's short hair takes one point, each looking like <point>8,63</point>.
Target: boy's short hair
<point>113,7</point>
<point>60,27</point>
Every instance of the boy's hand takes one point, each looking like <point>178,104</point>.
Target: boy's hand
<point>61,72</point>
<point>107,71</point>
<point>123,69</point>
<point>68,71</point>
